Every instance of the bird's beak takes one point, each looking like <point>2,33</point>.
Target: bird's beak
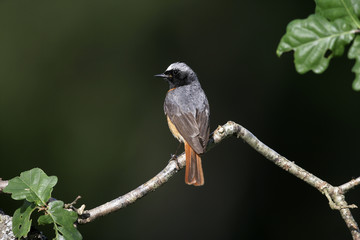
<point>162,75</point>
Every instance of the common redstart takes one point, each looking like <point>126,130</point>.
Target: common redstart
<point>187,111</point>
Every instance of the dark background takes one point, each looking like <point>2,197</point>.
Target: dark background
<point>79,100</point>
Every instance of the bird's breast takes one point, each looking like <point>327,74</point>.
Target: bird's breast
<point>174,131</point>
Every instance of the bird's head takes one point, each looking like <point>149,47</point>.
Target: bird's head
<point>178,74</point>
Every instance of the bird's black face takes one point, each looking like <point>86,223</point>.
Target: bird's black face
<point>178,74</point>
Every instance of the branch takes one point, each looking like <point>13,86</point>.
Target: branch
<point>123,201</point>
<point>335,195</point>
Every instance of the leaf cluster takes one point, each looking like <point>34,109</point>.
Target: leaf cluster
<point>324,35</point>
<point>35,188</point>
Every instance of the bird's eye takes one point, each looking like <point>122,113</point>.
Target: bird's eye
<point>175,71</point>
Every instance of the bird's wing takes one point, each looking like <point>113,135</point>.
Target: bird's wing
<point>192,125</point>
<point>202,119</point>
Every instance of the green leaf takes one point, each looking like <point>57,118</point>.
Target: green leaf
<point>354,53</point>
<point>45,219</point>
<point>33,185</point>
<point>335,9</point>
<point>356,7</point>
<point>63,221</point>
<point>312,38</point>
<point>21,222</point>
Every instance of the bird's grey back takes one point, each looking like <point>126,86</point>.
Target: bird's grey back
<point>189,98</point>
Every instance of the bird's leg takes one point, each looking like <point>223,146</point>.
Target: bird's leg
<point>174,157</point>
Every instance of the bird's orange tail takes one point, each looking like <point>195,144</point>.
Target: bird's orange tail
<point>193,174</point>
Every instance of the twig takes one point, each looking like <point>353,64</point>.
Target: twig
<point>349,185</point>
<point>339,199</point>
<point>70,205</point>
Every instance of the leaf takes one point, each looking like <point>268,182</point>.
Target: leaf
<point>63,221</point>
<point>335,9</point>
<point>356,7</point>
<point>312,38</point>
<point>354,53</point>
<point>21,222</point>
<point>33,185</point>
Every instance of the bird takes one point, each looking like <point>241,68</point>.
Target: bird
<point>187,111</point>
